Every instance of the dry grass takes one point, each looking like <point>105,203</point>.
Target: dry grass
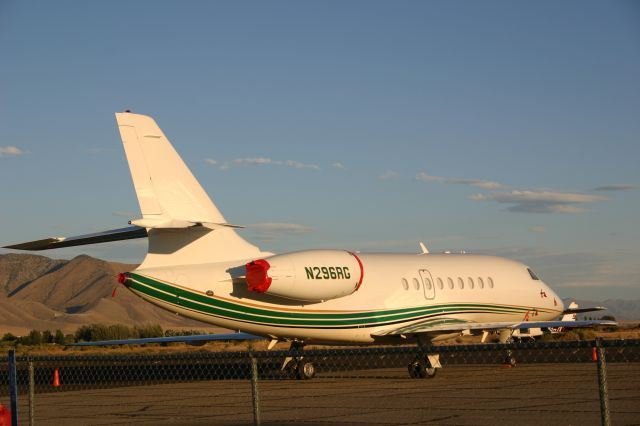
<point>628,331</point>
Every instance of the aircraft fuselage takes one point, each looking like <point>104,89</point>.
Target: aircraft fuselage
<point>395,290</point>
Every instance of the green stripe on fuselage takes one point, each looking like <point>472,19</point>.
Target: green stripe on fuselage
<point>236,311</point>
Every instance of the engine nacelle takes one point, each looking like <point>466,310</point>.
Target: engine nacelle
<point>311,275</point>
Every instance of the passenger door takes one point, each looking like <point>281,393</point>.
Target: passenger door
<point>427,284</point>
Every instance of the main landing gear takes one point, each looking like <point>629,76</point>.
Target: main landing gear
<point>509,360</point>
<point>296,366</point>
<point>424,366</point>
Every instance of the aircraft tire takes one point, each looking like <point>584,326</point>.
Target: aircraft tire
<point>510,359</point>
<point>306,370</point>
<point>430,372</point>
<point>418,370</point>
<point>414,370</point>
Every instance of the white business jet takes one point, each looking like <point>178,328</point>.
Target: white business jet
<point>199,267</point>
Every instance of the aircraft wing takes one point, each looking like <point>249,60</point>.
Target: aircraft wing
<point>581,310</point>
<point>452,326</point>
<point>195,339</point>
<point>127,233</point>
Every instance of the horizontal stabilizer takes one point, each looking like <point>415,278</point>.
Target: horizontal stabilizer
<point>199,338</point>
<point>162,223</point>
<point>128,233</point>
<point>581,310</point>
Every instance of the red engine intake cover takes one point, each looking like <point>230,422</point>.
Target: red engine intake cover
<point>257,277</point>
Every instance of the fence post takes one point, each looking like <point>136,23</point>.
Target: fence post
<point>254,391</point>
<point>13,387</point>
<point>605,418</point>
<point>32,387</point>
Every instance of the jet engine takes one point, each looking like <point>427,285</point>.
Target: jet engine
<point>311,275</point>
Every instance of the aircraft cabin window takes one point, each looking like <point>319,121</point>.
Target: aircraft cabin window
<point>428,284</point>
<point>480,283</point>
<point>490,282</point>
<point>440,284</point>
<point>471,283</point>
<point>416,284</point>
<point>533,276</point>
<point>450,282</point>
<point>460,283</point>
<point>405,284</point>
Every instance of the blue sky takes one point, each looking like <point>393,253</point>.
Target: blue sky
<point>507,128</point>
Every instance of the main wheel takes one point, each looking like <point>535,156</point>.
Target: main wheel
<point>414,370</point>
<point>420,370</point>
<point>430,372</point>
<point>306,370</point>
<point>510,361</point>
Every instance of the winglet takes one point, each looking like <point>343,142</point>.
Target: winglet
<point>423,248</point>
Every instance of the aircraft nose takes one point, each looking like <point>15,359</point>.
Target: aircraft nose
<point>555,299</point>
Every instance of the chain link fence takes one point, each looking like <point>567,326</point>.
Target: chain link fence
<point>580,382</point>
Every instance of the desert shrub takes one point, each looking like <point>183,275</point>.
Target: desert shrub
<point>569,336</point>
<point>8,337</point>
<point>83,333</point>
<point>148,330</point>
<point>59,338</point>
<point>586,333</point>
<point>33,338</point>
<point>94,332</point>
<point>171,333</point>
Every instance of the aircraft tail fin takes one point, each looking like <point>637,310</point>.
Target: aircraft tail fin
<point>183,224</point>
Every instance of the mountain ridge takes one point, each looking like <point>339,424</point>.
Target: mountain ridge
<point>37,292</point>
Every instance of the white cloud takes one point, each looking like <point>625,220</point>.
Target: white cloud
<point>338,165</point>
<point>540,201</point>
<point>10,150</point>
<point>299,165</point>
<point>388,175</point>
<point>254,161</point>
<point>480,183</point>
<point>281,228</point>
<point>484,184</point>
<point>125,214</point>
<point>583,284</point>
<point>538,229</point>
<point>478,197</point>
<point>262,161</point>
<point>617,187</point>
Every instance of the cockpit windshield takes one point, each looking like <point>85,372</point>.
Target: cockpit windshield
<point>533,275</point>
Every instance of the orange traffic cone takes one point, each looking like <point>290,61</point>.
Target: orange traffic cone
<point>5,416</point>
<point>594,354</point>
<point>56,378</point>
